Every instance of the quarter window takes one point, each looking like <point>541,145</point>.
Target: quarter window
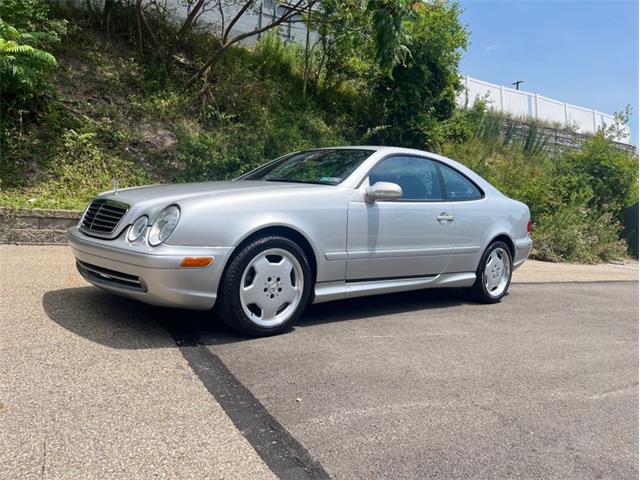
<point>418,177</point>
<point>457,186</point>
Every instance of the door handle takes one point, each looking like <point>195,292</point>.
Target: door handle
<point>444,217</point>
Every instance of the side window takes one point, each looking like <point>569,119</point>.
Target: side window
<point>457,186</point>
<point>418,177</point>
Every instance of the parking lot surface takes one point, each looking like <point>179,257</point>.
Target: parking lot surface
<point>419,385</point>
<point>415,385</point>
<point>94,388</point>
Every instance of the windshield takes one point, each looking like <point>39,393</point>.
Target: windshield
<point>325,167</point>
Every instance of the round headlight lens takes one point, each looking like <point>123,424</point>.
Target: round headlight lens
<point>137,229</point>
<point>164,225</point>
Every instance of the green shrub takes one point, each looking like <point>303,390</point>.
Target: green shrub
<point>22,66</point>
<point>234,148</point>
<point>277,57</point>
<point>214,156</point>
<point>576,234</point>
<point>25,14</point>
<point>26,33</point>
<point>80,167</point>
<point>576,197</point>
<point>610,174</point>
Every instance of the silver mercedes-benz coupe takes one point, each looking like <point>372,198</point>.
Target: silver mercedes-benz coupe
<point>308,227</point>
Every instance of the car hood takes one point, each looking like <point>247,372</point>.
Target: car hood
<point>150,200</point>
<point>170,193</point>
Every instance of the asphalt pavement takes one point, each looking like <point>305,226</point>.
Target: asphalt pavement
<point>425,385</point>
<point>92,387</point>
<point>414,385</point>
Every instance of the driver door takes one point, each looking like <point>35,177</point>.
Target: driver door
<point>408,237</point>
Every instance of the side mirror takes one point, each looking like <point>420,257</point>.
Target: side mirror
<point>383,191</point>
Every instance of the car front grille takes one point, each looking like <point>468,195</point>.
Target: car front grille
<point>106,277</point>
<point>103,216</point>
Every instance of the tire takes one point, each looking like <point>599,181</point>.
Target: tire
<point>257,296</point>
<point>485,289</point>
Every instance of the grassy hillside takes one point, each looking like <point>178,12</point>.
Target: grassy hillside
<point>110,112</point>
<point>111,116</point>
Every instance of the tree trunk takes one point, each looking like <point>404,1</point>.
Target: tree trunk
<point>226,43</point>
<point>139,32</point>
<point>211,63</point>
<point>106,15</point>
<point>306,54</point>
<point>143,21</point>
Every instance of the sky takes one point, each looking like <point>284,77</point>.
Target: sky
<point>581,52</point>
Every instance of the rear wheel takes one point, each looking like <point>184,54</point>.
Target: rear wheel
<point>493,276</point>
<point>266,287</point>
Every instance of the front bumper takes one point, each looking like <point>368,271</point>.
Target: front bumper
<point>154,278</point>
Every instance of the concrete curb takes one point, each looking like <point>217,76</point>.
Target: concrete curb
<point>25,226</point>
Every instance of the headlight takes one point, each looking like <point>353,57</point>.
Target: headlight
<point>164,225</point>
<point>137,229</point>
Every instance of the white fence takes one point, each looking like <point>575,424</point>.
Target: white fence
<point>262,13</point>
<point>525,104</point>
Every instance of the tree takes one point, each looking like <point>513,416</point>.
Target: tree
<point>619,129</point>
<point>413,101</point>
<point>360,38</point>
<point>404,54</point>
<point>164,34</point>
<point>297,7</point>
<point>381,24</point>
<point>384,19</point>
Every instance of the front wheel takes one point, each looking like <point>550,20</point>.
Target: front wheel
<point>493,276</point>
<point>266,287</point>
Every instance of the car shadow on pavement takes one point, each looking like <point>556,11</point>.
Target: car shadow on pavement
<point>121,323</point>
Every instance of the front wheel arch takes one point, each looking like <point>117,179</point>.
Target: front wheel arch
<point>287,232</point>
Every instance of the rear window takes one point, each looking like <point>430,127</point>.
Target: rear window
<point>457,186</point>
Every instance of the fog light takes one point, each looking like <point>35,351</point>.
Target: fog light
<point>196,261</point>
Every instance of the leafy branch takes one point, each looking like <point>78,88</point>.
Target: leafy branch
<point>21,62</point>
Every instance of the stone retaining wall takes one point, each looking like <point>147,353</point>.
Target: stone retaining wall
<point>556,139</point>
<point>25,226</point>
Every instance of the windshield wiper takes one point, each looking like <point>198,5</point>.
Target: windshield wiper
<point>286,180</point>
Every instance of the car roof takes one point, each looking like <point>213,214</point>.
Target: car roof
<point>373,148</point>
<point>377,148</point>
<point>379,152</point>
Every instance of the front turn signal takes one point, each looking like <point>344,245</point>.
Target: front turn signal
<point>196,262</point>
